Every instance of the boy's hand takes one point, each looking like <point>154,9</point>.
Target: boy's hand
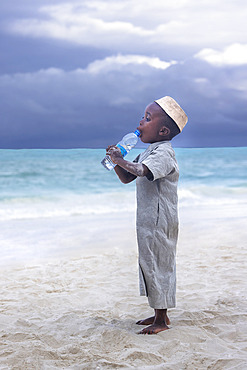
<point>127,171</point>
<point>114,152</point>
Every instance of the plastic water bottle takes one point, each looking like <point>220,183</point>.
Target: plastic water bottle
<point>125,145</point>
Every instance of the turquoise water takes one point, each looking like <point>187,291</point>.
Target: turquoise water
<point>213,166</point>
<point>53,202</point>
<point>47,183</point>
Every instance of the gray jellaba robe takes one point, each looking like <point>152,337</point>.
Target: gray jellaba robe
<point>157,225</point>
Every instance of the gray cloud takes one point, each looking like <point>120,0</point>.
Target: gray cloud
<point>80,74</point>
<point>96,105</point>
<point>159,23</point>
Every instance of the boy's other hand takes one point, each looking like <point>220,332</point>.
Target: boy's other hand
<point>114,152</point>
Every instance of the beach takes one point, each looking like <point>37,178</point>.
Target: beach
<point>69,278</point>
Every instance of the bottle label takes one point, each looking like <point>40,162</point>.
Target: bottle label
<point>123,150</point>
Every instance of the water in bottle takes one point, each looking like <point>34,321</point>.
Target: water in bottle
<point>125,145</point>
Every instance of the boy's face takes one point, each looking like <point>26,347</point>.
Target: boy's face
<point>151,124</point>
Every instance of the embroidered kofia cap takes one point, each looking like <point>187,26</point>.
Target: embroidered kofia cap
<point>173,109</point>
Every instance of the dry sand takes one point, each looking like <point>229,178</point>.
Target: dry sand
<point>79,312</point>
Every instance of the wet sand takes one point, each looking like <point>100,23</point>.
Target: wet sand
<point>78,311</point>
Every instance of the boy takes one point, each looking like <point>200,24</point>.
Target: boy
<point>156,173</point>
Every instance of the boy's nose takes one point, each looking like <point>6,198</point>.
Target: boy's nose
<point>140,125</point>
<point>141,121</point>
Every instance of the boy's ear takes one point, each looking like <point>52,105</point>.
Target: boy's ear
<point>164,131</point>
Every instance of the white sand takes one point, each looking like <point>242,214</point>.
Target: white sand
<point>79,312</point>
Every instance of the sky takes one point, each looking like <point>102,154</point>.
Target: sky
<point>80,73</point>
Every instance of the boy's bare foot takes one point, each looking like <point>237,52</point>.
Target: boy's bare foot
<point>150,320</point>
<point>146,322</point>
<point>154,329</point>
<point>158,322</point>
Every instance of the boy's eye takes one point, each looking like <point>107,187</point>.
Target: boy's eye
<point>147,118</point>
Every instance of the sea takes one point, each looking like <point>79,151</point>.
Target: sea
<point>43,191</point>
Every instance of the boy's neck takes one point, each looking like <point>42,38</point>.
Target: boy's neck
<point>160,141</point>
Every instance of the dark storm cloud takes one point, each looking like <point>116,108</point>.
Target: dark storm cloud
<point>20,55</point>
<point>80,74</point>
<point>93,107</point>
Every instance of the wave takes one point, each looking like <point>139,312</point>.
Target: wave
<point>57,183</point>
<point>218,195</point>
<point>71,204</point>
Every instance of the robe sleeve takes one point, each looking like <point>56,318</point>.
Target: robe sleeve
<point>160,163</point>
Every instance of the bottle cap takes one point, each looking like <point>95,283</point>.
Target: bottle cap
<point>137,132</point>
